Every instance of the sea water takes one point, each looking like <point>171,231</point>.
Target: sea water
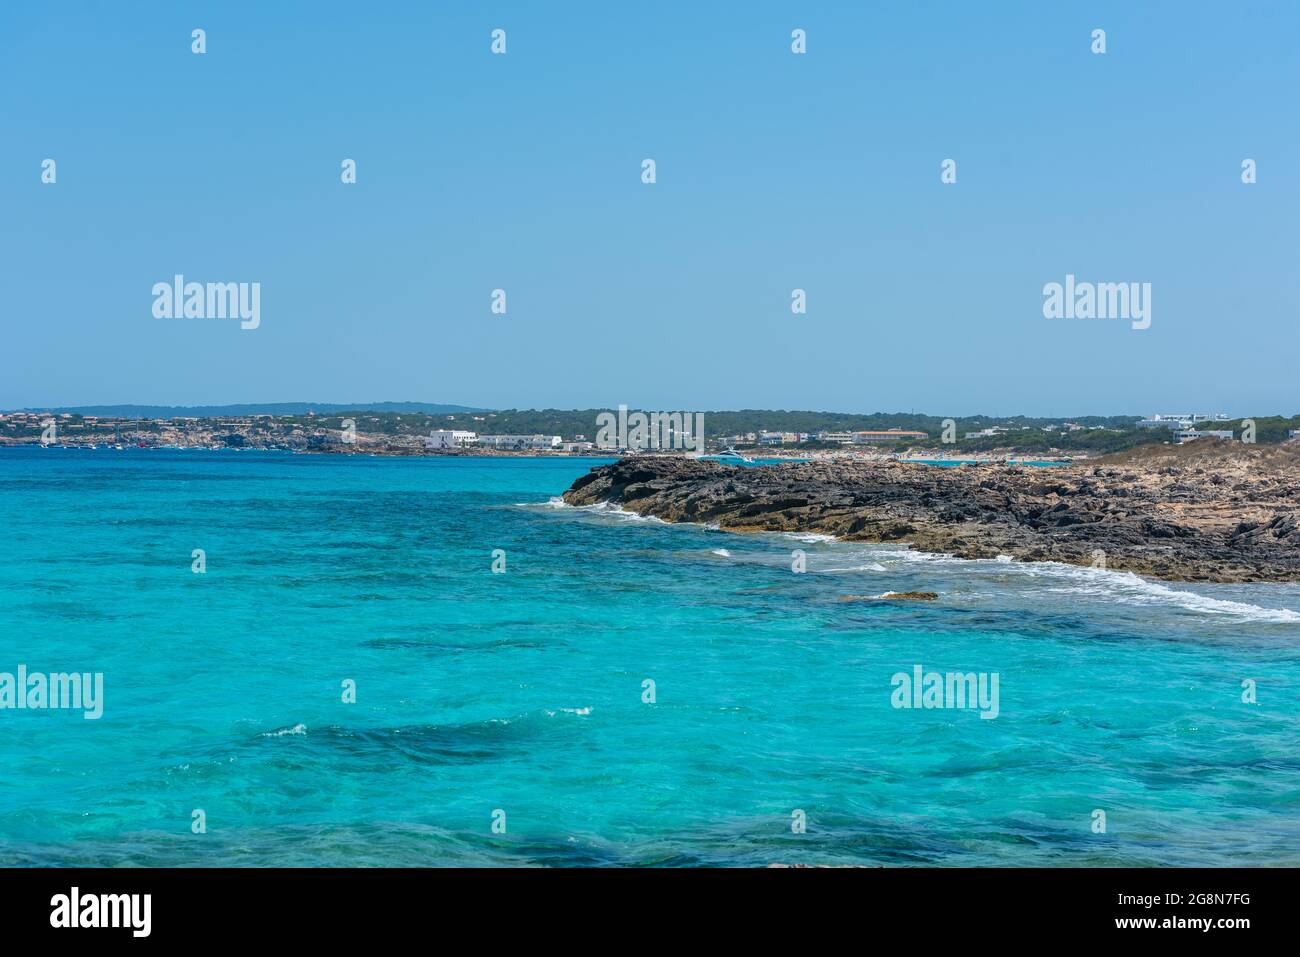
<point>620,691</point>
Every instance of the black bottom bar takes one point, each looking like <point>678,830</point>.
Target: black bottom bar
<point>335,906</point>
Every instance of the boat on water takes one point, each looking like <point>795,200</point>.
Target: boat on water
<point>728,455</point>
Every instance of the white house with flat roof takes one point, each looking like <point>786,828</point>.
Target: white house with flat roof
<point>1180,421</point>
<point>1184,436</point>
<point>870,437</point>
<point>449,439</point>
<point>520,441</point>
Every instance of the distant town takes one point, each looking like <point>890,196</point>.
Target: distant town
<point>574,432</point>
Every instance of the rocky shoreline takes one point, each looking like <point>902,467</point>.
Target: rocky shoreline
<point>1222,512</point>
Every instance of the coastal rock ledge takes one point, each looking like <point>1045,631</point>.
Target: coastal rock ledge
<point>1208,516</point>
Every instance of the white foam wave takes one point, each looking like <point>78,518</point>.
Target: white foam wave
<point>598,508</point>
<point>1104,584</point>
<point>298,728</point>
<point>909,555</point>
<point>617,511</point>
<point>812,538</point>
<point>1130,589</point>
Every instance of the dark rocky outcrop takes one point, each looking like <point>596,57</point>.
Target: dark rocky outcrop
<point>1229,519</point>
<point>895,596</point>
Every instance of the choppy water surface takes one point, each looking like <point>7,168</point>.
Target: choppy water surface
<point>523,691</point>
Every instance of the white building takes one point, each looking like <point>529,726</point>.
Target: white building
<point>889,435</point>
<point>1187,435</point>
<point>1180,421</point>
<point>987,433</point>
<point>844,438</point>
<point>449,439</point>
<point>520,441</point>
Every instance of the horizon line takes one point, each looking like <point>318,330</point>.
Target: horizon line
<point>439,408</point>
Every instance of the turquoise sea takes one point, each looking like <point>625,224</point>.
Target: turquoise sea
<point>522,692</point>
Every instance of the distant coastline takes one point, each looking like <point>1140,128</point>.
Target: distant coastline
<point>420,429</point>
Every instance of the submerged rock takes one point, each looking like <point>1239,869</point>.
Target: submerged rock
<point>895,596</point>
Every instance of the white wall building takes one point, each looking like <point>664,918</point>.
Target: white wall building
<point>1187,435</point>
<point>520,441</point>
<point>449,439</point>
<point>1165,422</point>
<point>1180,421</point>
<point>888,435</point>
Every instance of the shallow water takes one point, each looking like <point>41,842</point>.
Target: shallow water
<point>522,692</point>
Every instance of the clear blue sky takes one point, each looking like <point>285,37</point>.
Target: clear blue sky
<point>775,171</point>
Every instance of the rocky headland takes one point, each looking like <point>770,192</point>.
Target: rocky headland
<point>1207,511</point>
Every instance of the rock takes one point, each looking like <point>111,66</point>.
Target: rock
<point>1228,519</point>
<point>894,596</point>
